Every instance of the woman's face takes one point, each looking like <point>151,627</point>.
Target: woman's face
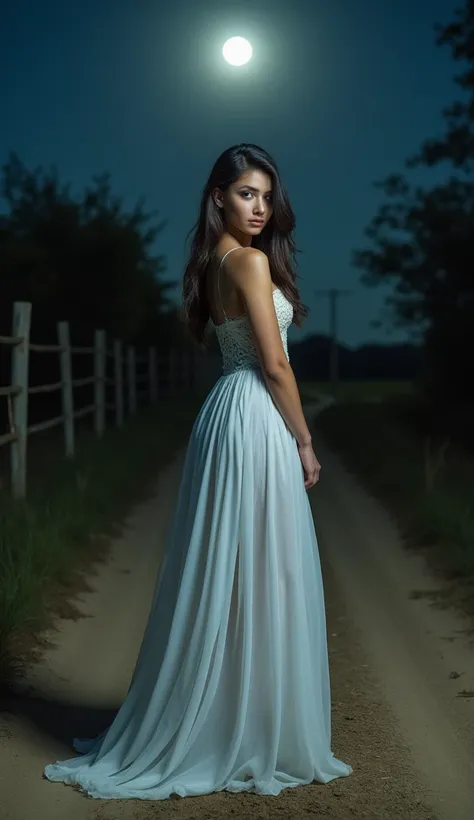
<point>247,203</point>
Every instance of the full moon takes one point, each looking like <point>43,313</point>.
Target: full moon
<point>237,51</point>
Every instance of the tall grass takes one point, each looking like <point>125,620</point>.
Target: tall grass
<point>429,483</point>
<point>354,390</point>
<point>71,506</point>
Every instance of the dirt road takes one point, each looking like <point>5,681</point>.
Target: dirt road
<point>399,666</point>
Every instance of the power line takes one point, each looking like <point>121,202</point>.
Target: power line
<point>333,295</point>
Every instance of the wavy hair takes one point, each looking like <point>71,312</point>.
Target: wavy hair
<point>276,239</point>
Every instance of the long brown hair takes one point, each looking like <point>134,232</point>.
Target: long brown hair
<point>276,239</point>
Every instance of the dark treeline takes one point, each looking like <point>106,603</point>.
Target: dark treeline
<point>84,259</point>
<point>422,239</point>
<point>310,360</point>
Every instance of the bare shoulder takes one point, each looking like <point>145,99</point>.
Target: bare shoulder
<point>249,268</point>
<point>247,256</point>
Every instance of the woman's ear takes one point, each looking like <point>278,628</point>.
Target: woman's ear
<point>218,197</point>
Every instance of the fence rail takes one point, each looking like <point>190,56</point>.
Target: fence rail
<point>126,381</point>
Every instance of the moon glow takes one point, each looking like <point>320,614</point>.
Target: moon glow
<point>237,51</point>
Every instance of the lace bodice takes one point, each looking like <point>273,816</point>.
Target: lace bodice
<point>236,340</point>
<point>235,335</point>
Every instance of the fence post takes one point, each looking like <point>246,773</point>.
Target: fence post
<point>153,375</point>
<point>99,381</point>
<point>132,381</point>
<point>66,388</point>
<point>19,377</point>
<point>118,368</point>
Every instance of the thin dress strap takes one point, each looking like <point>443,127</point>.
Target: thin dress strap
<point>219,281</point>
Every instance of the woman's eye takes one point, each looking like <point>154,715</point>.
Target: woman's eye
<point>267,198</point>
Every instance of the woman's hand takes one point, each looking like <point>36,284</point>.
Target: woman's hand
<point>311,465</point>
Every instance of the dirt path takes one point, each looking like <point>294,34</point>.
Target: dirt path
<point>397,717</point>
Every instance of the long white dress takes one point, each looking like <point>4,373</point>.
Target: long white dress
<point>231,688</point>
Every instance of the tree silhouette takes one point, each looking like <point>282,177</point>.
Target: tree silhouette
<point>87,260</point>
<point>422,240</point>
<point>457,145</point>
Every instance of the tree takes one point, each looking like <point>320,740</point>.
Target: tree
<point>422,240</point>
<point>86,260</point>
<point>457,145</point>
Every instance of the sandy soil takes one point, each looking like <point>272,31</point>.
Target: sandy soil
<point>402,674</point>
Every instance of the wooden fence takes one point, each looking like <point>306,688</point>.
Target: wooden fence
<point>126,383</point>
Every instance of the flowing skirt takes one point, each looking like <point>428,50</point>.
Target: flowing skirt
<point>231,688</point>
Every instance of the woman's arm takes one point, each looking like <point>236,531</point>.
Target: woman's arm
<point>250,273</point>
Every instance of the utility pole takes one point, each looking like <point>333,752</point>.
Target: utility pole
<point>333,295</point>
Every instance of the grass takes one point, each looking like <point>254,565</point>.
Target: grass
<point>356,390</point>
<point>426,481</point>
<point>72,509</point>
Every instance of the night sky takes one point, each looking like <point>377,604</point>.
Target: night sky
<point>339,91</point>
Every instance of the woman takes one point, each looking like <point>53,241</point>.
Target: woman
<point>231,687</point>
